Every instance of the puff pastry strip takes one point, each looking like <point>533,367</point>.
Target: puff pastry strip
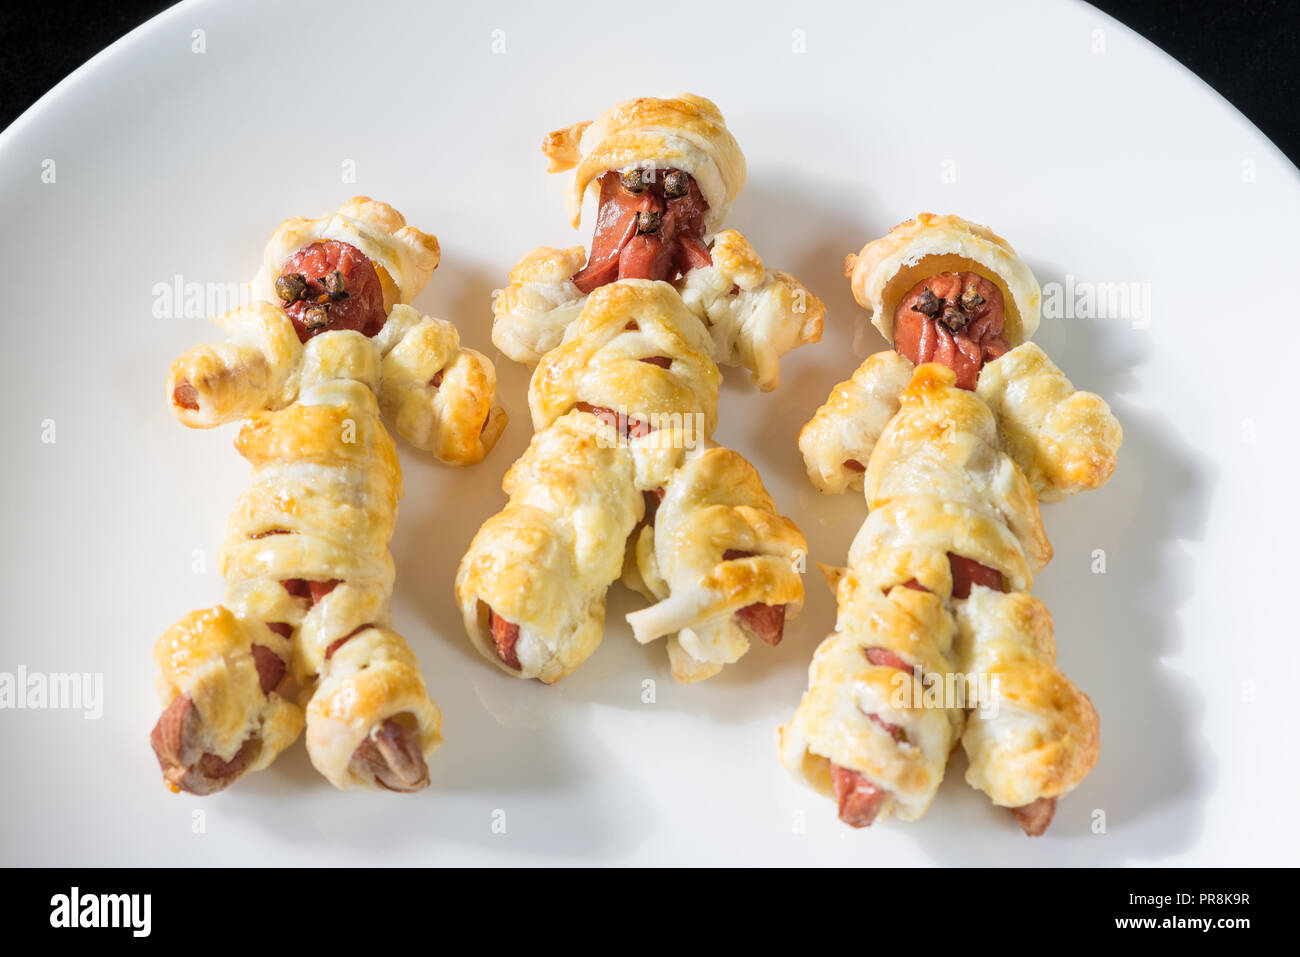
<point>838,440</point>
<point>440,397</point>
<point>308,570</point>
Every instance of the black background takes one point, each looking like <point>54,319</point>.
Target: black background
<point>1247,50</point>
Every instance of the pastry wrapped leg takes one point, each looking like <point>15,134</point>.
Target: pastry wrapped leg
<point>871,732</point>
<point>1039,736</point>
<point>225,686</point>
<point>721,562</point>
<point>532,585</point>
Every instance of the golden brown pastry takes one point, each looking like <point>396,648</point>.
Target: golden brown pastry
<point>1065,441</point>
<point>1042,735</point>
<point>837,442</point>
<point>308,578</point>
<point>951,466</point>
<point>532,585</point>
<point>864,734</point>
<point>666,172</point>
<point>624,409</point>
<point>886,268</point>
<point>721,563</point>
<point>357,269</point>
<point>948,513</point>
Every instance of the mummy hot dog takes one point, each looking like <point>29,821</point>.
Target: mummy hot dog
<point>306,558</point>
<point>953,455</point>
<point>622,477</point>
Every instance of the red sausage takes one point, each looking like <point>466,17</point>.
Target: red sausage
<point>392,754</point>
<point>1034,817</point>
<point>967,572</point>
<point>767,622</point>
<point>270,668</point>
<point>884,658</point>
<point>859,800</point>
<point>627,426</point>
<point>615,225</point>
<point>357,305</point>
<point>922,337</point>
<point>176,740</point>
<point>619,250</point>
<point>505,636</point>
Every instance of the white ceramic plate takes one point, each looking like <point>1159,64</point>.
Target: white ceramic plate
<point>1106,164</point>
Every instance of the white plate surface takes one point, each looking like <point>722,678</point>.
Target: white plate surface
<point>1101,159</point>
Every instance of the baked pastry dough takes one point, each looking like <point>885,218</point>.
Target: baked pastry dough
<point>952,480</point>
<point>871,716</point>
<point>1064,441</point>
<point>838,441</point>
<point>754,315</point>
<point>624,402</point>
<point>219,715</point>
<point>307,569</point>
<point>684,132</point>
<point>937,485</point>
<point>545,562</point>
<point>717,547</point>
<point>624,409</point>
<point>886,268</point>
<point>1042,736</point>
<point>259,366</point>
<point>539,303</point>
<point>638,352</point>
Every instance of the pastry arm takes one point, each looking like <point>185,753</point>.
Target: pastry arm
<point>254,370</point>
<point>531,315</point>
<point>755,315</point>
<point>439,396</point>
<point>838,440</point>
<point>1065,441</point>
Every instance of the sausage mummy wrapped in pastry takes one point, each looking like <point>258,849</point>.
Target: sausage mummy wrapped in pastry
<point>624,408</point>
<point>308,582</point>
<point>953,454</point>
<point>311,365</point>
<point>356,269</point>
<point>622,474</point>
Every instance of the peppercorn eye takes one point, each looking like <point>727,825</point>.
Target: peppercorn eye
<point>636,180</point>
<point>676,183</point>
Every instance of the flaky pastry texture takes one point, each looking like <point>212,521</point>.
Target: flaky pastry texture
<point>886,268</point>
